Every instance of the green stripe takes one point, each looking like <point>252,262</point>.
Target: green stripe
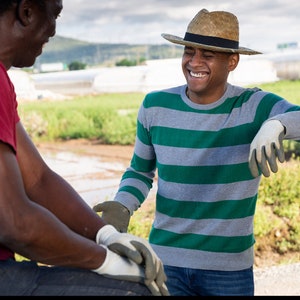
<point>172,101</point>
<point>293,109</point>
<point>135,175</point>
<point>227,209</point>
<point>205,174</point>
<point>264,109</point>
<point>165,100</point>
<point>233,102</point>
<point>201,242</point>
<point>142,133</point>
<point>134,191</point>
<point>142,165</point>
<point>174,137</point>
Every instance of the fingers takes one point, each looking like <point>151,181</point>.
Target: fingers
<point>266,148</point>
<point>164,290</point>
<point>149,260</point>
<point>272,159</point>
<point>156,291</point>
<point>280,149</point>
<point>263,164</point>
<point>99,207</point>
<point>161,276</point>
<point>115,214</point>
<point>155,276</point>
<point>152,286</point>
<point>259,163</point>
<point>253,164</point>
<point>160,280</point>
<point>266,160</point>
<point>124,250</point>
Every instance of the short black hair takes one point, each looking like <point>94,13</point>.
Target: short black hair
<point>5,5</point>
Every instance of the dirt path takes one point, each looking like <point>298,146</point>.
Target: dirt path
<point>107,152</point>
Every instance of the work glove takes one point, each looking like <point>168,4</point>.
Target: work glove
<point>122,268</point>
<point>139,251</point>
<point>114,213</point>
<point>266,146</point>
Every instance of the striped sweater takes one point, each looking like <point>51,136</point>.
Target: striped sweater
<point>206,195</point>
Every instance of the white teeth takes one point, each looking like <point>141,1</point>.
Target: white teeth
<point>198,75</point>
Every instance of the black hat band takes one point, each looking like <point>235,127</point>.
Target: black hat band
<point>211,41</point>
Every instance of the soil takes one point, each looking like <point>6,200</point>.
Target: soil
<point>118,153</point>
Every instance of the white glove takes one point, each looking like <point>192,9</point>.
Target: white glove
<point>140,252</point>
<point>266,146</point>
<point>122,268</point>
<point>118,267</point>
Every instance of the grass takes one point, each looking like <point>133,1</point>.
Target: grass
<point>109,118</point>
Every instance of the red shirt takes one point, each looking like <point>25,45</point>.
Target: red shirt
<point>8,119</point>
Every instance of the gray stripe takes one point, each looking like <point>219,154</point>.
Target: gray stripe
<point>202,157</point>
<point>211,227</point>
<point>208,192</point>
<point>280,107</point>
<point>194,259</point>
<point>138,184</point>
<point>172,118</point>
<point>193,120</point>
<point>144,151</point>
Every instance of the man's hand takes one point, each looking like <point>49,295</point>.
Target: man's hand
<point>118,267</point>
<point>266,146</point>
<point>139,251</point>
<point>122,268</point>
<point>115,214</point>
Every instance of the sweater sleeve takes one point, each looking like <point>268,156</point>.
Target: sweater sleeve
<point>291,122</point>
<point>137,180</point>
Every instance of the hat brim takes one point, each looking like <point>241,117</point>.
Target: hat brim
<point>181,41</point>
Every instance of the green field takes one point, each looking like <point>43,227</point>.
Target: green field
<point>108,118</point>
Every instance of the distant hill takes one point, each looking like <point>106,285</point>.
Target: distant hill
<point>67,50</point>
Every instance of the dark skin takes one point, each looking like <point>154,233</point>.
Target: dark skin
<point>206,73</point>
<point>41,217</point>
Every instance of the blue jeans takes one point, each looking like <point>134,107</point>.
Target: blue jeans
<point>28,279</point>
<point>194,282</point>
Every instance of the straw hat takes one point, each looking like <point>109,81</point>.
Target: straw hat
<point>216,31</point>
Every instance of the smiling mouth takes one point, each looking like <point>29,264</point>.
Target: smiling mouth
<point>198,75</point>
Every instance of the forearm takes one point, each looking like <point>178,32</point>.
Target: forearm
<point>37,234</point>
<point>58,196</point>
<point>48,189</point>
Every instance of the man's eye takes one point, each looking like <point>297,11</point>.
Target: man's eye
<point>208,55</point>
<point>189,52</point>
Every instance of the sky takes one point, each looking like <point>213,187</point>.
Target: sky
<point>263,23</point>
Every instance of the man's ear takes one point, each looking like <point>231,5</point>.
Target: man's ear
<point>24,12</point>
<point>233,61</point>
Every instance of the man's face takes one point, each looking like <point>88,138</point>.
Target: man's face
<point>40,27</point>
<point>206,71</point>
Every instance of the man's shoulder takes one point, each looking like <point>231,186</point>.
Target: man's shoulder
<point>176,90</point>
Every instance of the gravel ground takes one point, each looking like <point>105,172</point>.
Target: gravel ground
<point>281,280</point>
